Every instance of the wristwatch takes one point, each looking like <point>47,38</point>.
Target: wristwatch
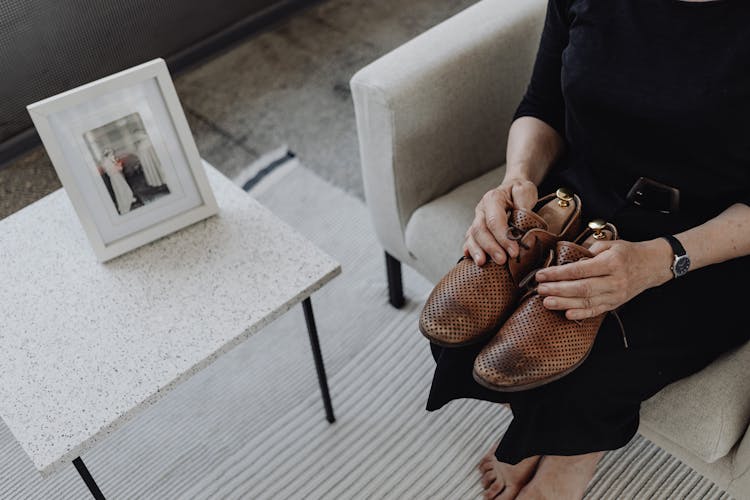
<point>681,263</point>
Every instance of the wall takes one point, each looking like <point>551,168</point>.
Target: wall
<point>48,46</point>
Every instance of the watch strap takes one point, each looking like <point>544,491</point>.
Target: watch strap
<point>677,247</point>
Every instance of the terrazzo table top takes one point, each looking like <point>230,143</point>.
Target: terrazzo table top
<point>84,346</point>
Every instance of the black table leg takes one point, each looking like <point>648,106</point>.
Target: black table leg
<point>86,476</point>
<point>322,379</point>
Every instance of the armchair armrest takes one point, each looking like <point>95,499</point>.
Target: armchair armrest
<point>435,112</point>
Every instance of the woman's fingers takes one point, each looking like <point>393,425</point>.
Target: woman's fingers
<point>581,314</point>
<point>586,268</point>
<point>487,242</point>
<point>594,303</point>
<point>476,251</point>
<point>582,288</point>
<point>496,218</point>
<point>488,234</point>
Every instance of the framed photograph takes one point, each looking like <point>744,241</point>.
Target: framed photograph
<point>126,158</point>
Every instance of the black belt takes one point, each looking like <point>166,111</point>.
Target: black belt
<point>655,196</point>
<point>652,195</point>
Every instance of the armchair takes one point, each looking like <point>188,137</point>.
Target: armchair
<point>433,118</point>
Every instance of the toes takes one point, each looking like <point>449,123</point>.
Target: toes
<point>485,466</point>
<point>488,478</point>
<point>494,490</point>
<point>509,493</point>
<point>488,458</point>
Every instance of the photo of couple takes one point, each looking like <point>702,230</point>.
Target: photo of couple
<point>127,163</point>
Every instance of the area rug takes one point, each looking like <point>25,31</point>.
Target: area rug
<point>251,426</point>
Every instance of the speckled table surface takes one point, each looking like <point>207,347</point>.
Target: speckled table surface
<point>84,345</point>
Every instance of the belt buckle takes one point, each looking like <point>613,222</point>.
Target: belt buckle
<point>650,194</point>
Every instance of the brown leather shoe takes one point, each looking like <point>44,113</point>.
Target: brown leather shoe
<point>536,345</point>
<point>470,302</point>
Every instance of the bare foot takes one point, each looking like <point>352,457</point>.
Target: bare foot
<point>502,481</point>
<point>561,478</point>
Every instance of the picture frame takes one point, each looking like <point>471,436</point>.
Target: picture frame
<point>123,150</point>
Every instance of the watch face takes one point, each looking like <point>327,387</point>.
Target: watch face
<point>681,265</point>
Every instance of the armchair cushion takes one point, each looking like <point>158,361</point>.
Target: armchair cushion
<point>435,232</point>
<point>708,412</point>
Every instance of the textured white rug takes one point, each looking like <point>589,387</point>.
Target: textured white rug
<point>252,425</point>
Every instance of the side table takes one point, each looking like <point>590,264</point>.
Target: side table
<point>85,346</point>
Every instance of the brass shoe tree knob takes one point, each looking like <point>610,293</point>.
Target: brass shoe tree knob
<point>564,197</point>
<point>597,225</point>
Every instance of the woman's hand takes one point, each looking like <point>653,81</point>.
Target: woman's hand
<point>619,271</point>
<point>487,235</point>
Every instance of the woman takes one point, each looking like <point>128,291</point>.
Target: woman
<point>621,90</point>
<point>123,195</point>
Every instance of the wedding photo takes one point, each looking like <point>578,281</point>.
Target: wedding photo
<point>127,163</point>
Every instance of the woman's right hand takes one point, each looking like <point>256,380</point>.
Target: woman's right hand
<point>487,235</point>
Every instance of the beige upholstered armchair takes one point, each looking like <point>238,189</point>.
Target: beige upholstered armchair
<point>433,118</point>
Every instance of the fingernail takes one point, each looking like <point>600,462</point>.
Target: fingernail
<point>540,276</point>
<point>542,289</point>
<point>512,252</point>
<point>550,302</point>
<point>477,256</point>
<point>499,258</point>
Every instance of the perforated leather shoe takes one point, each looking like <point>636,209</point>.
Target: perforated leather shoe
<point>537,345</point>
<point>470,303</point>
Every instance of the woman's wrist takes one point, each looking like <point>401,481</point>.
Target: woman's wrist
<point>518,173</point>
<point>658,258</point>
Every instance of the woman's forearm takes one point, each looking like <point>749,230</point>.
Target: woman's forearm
<point>725,237</point>
<point>621,269</point>
<point>533,146</point>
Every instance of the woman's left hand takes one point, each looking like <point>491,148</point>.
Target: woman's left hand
<point>619,271</point>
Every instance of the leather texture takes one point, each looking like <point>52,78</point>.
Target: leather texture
<point>536,345</point>
<point>470,302</point>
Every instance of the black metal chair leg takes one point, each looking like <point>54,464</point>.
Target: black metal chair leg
<point>88,479</point>
<point>395,286</point>
<point>319,367</point>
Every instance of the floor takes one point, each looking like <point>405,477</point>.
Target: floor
<point>288,85</point>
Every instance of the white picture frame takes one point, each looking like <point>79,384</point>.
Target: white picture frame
<point>125,155</point>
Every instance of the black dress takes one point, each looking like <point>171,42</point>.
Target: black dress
<point>654,88</point>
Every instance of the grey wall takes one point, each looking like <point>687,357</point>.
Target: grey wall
<point>48,46</point>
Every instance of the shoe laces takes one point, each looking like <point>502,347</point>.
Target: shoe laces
<point>530,284</point>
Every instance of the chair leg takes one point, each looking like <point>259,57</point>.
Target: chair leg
<point>395,286</point>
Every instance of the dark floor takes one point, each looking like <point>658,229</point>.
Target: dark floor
<point>286,86</point>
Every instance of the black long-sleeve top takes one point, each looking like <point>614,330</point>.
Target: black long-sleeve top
<point>654,88</point>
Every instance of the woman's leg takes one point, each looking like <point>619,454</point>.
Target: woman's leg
<point>561,477</point>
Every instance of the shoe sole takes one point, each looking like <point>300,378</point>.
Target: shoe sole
<point>518,388</point>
